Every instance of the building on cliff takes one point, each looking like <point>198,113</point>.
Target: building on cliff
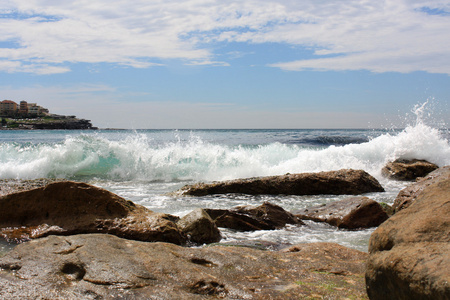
<point>24,109</point>
<point>8,107</point>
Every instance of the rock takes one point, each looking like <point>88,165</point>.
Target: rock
<point>410,252</point>
<point>64,208</point>
<point>250,218</point>
<point>407,195</point>
<point>351,182</point>
<point>10,186</point>
<point>350,213</point>
<point>199,227</point>
<point>404,169</point>
<point>101,266</point>
<point>241,222</point>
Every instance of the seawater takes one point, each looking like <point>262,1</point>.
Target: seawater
<point>145,165</point>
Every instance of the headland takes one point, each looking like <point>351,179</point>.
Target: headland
<point>30,116</point>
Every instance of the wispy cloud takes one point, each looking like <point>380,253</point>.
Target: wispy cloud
<point>380,36</point>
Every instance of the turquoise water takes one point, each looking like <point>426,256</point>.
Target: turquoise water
<point>144,165</point>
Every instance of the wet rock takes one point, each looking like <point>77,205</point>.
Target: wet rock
<point>64,208</point>
<point>101,266</point>
<point>408,195</point>
<point>199,227</point>
<point>350,213</point>
<point>410,252</point>
<point>250,218</point>
<point>351,182</point>
<point>404,169</point>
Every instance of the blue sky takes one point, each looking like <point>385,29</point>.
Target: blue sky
<point>228,64</point>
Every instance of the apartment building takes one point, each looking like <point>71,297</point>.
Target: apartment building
<point>10,108</point>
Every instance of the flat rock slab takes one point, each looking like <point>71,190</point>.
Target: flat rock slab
<point>97,266</point>
<point>342,182</point>
<point>410,252</point>
<point>350,213</point>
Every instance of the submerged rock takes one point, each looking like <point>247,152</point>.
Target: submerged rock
<point>404,169</point>
<point>342,182</point>
<point>350,213</point>
<point>249,218</point>
<point>64,208</point>
<point>410,252</point>
<point>408,195</point>
<point>100,266</point>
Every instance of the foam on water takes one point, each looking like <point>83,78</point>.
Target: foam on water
<point>143,165</point>
<point>139,157</point>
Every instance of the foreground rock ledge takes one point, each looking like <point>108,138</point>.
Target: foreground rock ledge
<point>97,266</point>
<point>410,252</point>
<point>342,182</point>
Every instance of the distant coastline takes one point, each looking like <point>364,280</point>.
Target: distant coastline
<point>30,116</point>
<point>46,123</point>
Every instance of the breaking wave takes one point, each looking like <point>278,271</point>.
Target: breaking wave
<point>137,155</point>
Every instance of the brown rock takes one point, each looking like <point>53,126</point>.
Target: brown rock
<point>199,227</point>
<point>350,213</point>
<point>404,169</point>
<point>64,208</point>
<point>407,195</point>
<point>100,266</point>
<point>351,182</point>
<point>249,218</point>
<point>241,222</point>
<point>410,252</point>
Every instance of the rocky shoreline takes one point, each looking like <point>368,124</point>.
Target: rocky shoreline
<point>87,243</point>
<point>49,123</point>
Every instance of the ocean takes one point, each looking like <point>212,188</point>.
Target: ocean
<point>145,165</point>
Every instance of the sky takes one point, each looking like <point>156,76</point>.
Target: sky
<point>153,64</point>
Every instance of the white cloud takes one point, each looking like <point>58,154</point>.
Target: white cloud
<point>380,36</point>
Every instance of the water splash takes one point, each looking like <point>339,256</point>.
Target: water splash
<point>145,156</point>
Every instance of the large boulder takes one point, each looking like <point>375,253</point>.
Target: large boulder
<point>101,266</point>
<point>67,207</point>
<point>266,216</point>
<point>350,213</point>
<point>408,195</point>
<point>410,252</point>
<point>350,182</point>
<point>199,227</point>
<point>405,169</point>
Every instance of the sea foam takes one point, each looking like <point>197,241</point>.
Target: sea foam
<point>132,155</point>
